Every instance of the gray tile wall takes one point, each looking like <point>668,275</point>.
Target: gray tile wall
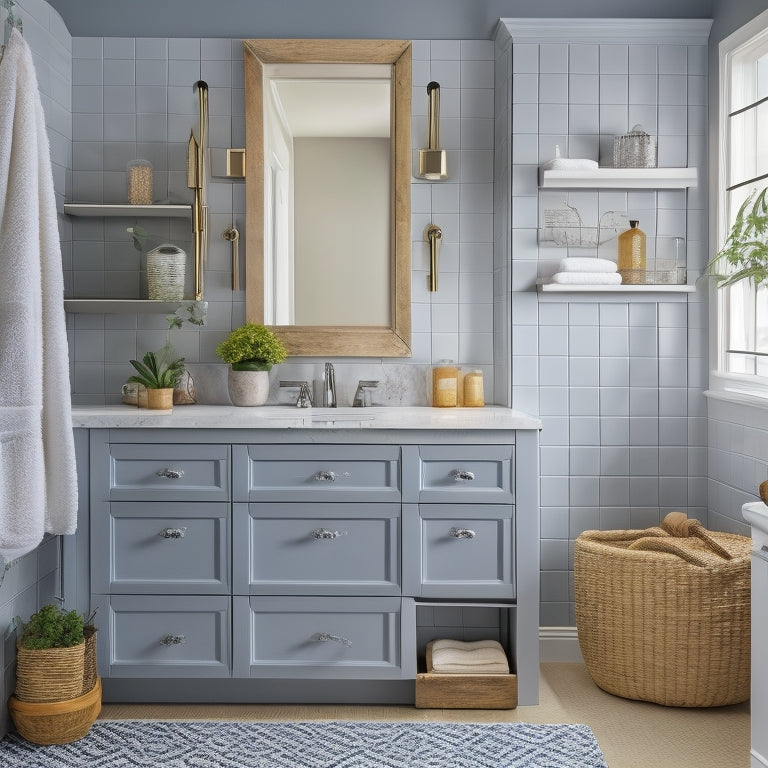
<point>134,98</point>
<point>617,383</point>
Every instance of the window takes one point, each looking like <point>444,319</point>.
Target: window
<point>742,347</point>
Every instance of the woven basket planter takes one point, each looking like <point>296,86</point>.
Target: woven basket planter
<point>663,615</point>
<point>90,664</point>
<point>56,722</point>
<point>50,674</point>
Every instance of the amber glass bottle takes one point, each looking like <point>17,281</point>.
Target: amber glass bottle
<point>632,254</point>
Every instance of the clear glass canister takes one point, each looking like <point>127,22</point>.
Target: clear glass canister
<point>140,182</point>
<point>445,385</point>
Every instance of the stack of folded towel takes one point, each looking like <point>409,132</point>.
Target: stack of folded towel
<point>580,270</point>
<point>481,657</point>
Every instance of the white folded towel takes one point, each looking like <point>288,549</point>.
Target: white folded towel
<point>481,657</point>
<point>587,264</point>
<point>587,278</point>
<point>570,164</point>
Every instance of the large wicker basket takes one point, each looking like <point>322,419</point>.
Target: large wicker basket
<point>663,615</point>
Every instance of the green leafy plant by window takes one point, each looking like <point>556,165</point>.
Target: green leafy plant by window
<point>155,372</point>
<point>745,253</point>
<point>53,627</point>
<point>252,347</point>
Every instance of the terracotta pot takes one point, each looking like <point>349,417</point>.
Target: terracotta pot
<point>160,399</point>
<point>248,387</point>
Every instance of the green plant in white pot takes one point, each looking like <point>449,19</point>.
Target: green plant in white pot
<point>745,253</point>
<point>251,350</point>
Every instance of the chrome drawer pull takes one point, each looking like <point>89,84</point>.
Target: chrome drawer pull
<point>324,637</point>
<point>463,533</point>
<point>173,533</point>
<point>325,533</point>
<point>173,640</point>
<point>171,474</point>
<point>461,475</point>
<point>325,475</point>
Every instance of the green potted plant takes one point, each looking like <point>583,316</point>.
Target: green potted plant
<point>50,704</point>
<point>159,374</point>
<point>251,350</point>
<point>745,253</point>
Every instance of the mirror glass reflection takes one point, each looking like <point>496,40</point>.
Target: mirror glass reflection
<point>327,155</point>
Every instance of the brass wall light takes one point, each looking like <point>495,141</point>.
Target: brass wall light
<point>433,235</point>
<point>432,161</point>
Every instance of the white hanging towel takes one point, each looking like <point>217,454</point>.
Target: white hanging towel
<point>38,479</point>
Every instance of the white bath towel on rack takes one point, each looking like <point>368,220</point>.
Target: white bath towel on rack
<point>38,485</point>
<point>587,278</point>
<point>587,264</point>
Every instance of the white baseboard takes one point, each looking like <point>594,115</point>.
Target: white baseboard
<point>559,644</point>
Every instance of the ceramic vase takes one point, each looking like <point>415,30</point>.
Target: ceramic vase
<point>248,387</point>
<point>160,399</point>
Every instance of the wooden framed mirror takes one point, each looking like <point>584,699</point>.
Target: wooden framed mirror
<point>382,325</point>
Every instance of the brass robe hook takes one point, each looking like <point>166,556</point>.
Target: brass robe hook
<point>433,235</point>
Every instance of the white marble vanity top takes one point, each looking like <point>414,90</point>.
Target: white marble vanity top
<point>289,417</point>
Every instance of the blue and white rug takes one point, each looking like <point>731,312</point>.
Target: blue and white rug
<point>314,744</point>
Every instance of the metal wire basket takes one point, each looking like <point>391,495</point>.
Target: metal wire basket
<point>636,149</point>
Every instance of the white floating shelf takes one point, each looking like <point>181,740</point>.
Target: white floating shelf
<point>619,178</point>
<point>107,209</point>
<point>120,306</point>
<point>649,288</point>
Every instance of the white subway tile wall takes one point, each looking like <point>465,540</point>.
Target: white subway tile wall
<point>134,98</point>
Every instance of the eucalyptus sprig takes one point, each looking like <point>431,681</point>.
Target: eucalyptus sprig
<point>157,374</point>
<point>745,253</point>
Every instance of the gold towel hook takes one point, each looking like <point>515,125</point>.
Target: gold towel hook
<point>433,234</point>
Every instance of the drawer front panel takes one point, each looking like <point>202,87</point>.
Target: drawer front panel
<point>313,549</point>
<point>168,472</point>
<point>319,637</point>
<point>162,636</point>
<point>317,473</point>
<point>168,547</point>
<point>458,550</point>
<point>448,474</point>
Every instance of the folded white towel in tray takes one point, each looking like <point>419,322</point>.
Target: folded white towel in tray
<point>587,264</point>
<point>587,278</point>
<point>481,657</point>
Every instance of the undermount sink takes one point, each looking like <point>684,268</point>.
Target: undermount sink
<point>756,514</point>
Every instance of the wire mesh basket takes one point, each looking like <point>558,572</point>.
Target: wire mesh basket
<point>636,149</point>
<point>165,273</point>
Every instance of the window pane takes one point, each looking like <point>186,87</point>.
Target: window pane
<point>749,148</point>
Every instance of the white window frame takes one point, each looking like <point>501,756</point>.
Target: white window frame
<point>747,388</point>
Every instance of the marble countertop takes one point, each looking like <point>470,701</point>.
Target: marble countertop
<point>289,417</point>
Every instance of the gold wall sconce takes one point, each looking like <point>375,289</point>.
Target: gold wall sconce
<point>432,161</point>
<point>433,235</point>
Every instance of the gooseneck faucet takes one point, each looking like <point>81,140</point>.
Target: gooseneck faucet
<point>329,387</point>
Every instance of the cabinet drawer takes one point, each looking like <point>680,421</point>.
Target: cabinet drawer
<point>314,549</point>
<point>324,637</point>
<point>168,472</point>
<point>162,636</point>
<point>448,474</point>
<point>168,547</point>
<point>317,473</point>
<point>458,551</point>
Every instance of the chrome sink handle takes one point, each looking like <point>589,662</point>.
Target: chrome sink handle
<point>462,533</point>
<point>359,399</point>
<point>462,475</point>
<point>170,474</point>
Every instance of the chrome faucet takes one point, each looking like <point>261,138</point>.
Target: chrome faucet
<point>329,387</point>
<point>360,400</point>
<point>304,399</point>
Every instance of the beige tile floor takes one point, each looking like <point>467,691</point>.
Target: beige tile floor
<point>632,734</point>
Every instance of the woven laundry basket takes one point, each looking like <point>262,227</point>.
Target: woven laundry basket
<point>663,615</point>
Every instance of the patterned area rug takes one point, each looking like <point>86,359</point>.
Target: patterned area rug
<point>314,744</point>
